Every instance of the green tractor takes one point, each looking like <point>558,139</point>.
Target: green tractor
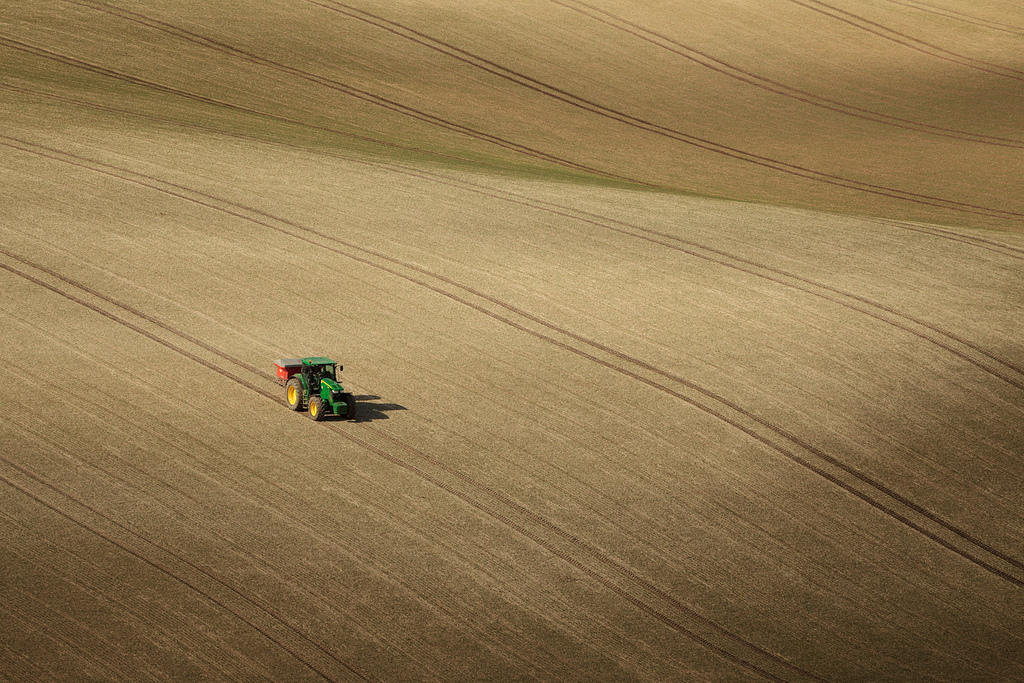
<point>313,383</point>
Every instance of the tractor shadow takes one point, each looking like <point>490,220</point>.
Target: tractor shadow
<point>368,410</point>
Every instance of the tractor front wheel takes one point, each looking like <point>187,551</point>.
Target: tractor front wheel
<point>293,393</point>
<point>316,408</point>
<point>350,401</point>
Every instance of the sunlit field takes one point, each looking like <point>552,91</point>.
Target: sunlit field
<point>687,340</point>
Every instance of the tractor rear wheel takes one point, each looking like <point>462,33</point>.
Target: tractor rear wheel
<point>317,411</point>
<point>293,393</point>
<point>350,401</point>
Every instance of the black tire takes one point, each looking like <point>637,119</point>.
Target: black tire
<point>350,401</point>
<point>294,396</point>
<point>317,409</point>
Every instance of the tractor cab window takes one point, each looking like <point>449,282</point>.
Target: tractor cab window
<point>312,373</point>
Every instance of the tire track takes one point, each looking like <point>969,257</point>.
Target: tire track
<point>968,352</point>
<point>642,124</point>
<point>434,472</point>
<point>254,112</point>
<point>17,666</point>
<point>270,379</point>
<point>107,654</point>
<point>337,86</point>
<point>122,530</point>
<point>908,41</point>
<point>764,431</point>
<point>971,240</point>
<point>732,71</point>
<point>101,659</point>
<point>754,268</point>
<point>532,84</point>
<point>504,195</point>
<point>959,16</point>
<point>247,483</point>
<point>488,509</point>
<point>121,606</point>
<point>115,528</point>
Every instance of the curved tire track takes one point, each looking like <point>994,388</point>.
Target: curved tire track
<point>664,131</point>
<point>771,85</point>
<point>172,564</point>
<point>519,79</point>
<point>976,241</point>
<point>764,431</point>
<point>285,503</point>
<point>930,332</point>
<point>33,92</point>
<point>959,16</point>
<point>335,85</point>
<point>908,41</point>
<point>969,351</point>
<point>438,474</point>
<point>973,240</point>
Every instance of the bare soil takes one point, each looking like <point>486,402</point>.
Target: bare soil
<point>687,339</point>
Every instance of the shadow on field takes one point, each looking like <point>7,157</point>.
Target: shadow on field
<point>368,411</point>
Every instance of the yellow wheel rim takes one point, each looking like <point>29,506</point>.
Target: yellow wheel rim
<point>312,409</point>
<point>291,395</point>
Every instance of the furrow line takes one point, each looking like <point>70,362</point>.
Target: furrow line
<point>122,537</point>
<point>698,621</point>
<point>332,84</point>
<point>211,366</point>
<point>768,433</point>
<point>241,136</point>
<point>905,40</point>
<point>11,660</point>
<point>977,241</point>
<point>970,355</point>
<point>299,232</point>
<point>293,508</point>
<point>558,94</point>
<point>771,85</point>
<point>504,195</point>
<point>642,124</point>
<point>701,630</point>
<point>16,610</point>
<point>959,16</point>
<point>951,342</point>
<point>963,348</point>
<point>145,616</point>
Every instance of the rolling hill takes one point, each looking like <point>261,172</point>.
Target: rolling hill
<point>687,340</point>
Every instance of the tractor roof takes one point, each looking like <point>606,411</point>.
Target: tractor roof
<point>318,360</point>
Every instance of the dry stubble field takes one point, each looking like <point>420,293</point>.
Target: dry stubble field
<point>687,338</point>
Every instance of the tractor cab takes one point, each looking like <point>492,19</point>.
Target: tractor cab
<point>315,383</point>
<point>315,371</point>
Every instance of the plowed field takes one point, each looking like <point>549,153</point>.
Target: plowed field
<point>687,339</point>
